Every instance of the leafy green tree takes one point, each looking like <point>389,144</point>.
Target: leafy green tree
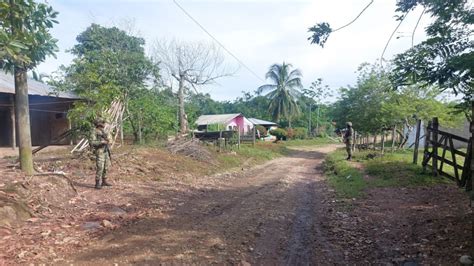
<point>445,59</point>
<point>283,92</point>
<point>151,115</point>
<point>372,105</point>
<point>25,41</point>
<point>201,104</point>
<point>313,101</point>
<point>109,65</point>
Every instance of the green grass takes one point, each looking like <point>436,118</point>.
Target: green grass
<point>347,181</point>
<point>390,170</point>
<point>308,142</point>
<point>261,152</point>
<point>250,155</point>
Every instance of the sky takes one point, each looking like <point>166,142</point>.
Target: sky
<point>258,32</point>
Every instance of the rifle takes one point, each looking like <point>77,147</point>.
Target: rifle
<point>107,147</point>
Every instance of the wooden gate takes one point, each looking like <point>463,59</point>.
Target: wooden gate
<point>438,140</point>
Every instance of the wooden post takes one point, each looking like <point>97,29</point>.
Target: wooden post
<point>219,141</point>
<point>417,141</point>
<point>471,141</point>
<point>435,126</point>
<point>253,135</point>
<point>394,129</point>
<point>383,141</point>
<point>13,121</point>
<point>427,144</point>
<point>238,137</point>
<point>69,127</point>
<point>471,128</point>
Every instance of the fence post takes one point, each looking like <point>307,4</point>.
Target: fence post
<point>253,135</point>
<point>417,141</point>
<point>471,152</point>
<point>471,141</point>
<point>435,145</point>
<point>238,137</point>
<point>429,129</point>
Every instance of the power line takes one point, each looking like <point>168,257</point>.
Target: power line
<point>217,41</point>
<point>363,10</point>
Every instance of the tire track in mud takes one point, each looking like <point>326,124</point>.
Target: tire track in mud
<point>269,215</point>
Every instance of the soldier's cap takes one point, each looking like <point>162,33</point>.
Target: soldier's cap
<point>349,124</point>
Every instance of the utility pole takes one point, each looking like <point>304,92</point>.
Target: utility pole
<point>309,122</point>
<point>317,122</point>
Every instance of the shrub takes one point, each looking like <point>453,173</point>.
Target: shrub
<point>299,133</point>
<point>290,133</point>
<point>279,133</point>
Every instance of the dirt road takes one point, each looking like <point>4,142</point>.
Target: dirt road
<point>271,214</point>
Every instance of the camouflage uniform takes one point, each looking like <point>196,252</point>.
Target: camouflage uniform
<point>348,135</point>
<point>101,151</point>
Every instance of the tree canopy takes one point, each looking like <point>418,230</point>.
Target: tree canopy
<point>25,41</point>
<point>445,59</point>
<point>109,65</point>
<point>283,91</point>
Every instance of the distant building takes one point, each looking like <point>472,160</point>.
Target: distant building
<point>47,112</point>
<point>267,124</point>
<point>225,122</point>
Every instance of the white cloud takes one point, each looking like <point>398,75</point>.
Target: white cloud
<point>259,33</point>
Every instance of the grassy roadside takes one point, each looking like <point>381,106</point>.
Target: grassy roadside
<point>262,151</point>
<point>369,170</point>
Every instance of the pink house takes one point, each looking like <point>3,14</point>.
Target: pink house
<point>226,121</point>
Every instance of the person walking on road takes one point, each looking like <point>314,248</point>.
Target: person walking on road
<point>348,135</point>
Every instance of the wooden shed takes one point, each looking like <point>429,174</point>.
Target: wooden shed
<point>48,112</point>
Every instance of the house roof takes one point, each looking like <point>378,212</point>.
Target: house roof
<point>256,121</point>
<point>215,119</point>
<point>7,85</point>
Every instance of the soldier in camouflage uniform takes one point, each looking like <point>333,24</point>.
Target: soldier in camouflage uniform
<point>99,140</point>
<point>348,140</point>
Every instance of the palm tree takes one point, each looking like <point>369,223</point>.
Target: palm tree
<point>283,91</point>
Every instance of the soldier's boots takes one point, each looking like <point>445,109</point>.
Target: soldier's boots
<point>98,185</point>
<point>106,184</point>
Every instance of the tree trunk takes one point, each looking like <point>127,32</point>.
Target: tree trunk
<point>23,120</point>
<point>383,142</point>
<point>183,121</point>
<point>132,123</point>
<point>393,137</point>
<point>375,141</point>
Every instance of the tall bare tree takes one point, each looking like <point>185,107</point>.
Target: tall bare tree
<point>190,65</point>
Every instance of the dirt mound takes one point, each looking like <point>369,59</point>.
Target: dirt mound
<point>33,196</point>
<point>190,148</point>
<point>12,211</point>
